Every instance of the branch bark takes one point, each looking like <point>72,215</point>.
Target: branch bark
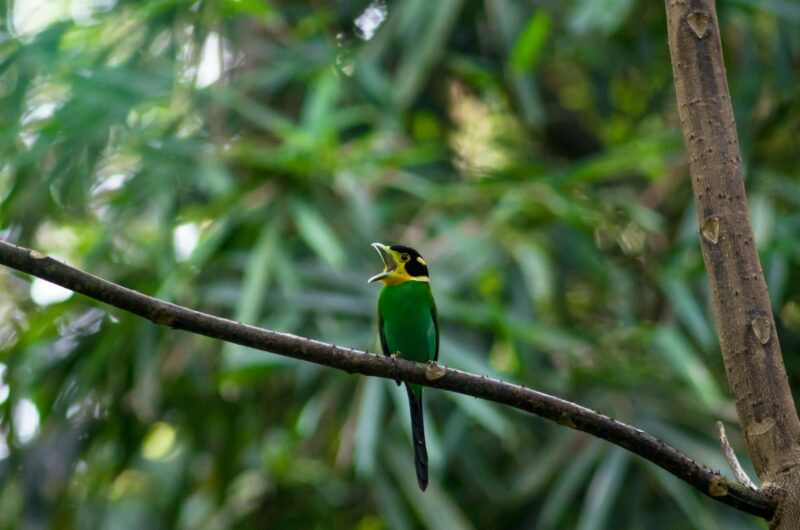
<point>740,301</point>
<point>354,361</point>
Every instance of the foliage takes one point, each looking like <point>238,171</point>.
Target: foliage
<point>238,156</point>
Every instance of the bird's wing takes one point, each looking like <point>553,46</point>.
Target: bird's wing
<point>382,333</point>
<point>384,344</point>
<point>435,318</point>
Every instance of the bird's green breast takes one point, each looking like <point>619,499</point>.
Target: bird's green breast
<point>408,315</point>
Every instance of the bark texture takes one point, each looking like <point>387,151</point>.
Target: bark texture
<point>741,305</point>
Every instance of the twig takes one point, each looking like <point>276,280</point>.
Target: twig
<point>730,456</point>
<point>353,361</point>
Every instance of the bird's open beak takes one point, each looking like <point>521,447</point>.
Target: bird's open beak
<point>389,264</point>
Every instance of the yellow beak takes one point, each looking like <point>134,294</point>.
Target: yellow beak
<point>389,263</point>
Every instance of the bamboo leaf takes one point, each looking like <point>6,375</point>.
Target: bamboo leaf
<point>528,47</point>
<point>317,234</point>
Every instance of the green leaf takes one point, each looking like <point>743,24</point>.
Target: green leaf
<point>696,514</point>
<point>390,502</point>
<point>603,490</point>
<point>317,234</point>
<point>527,50</point>
<point>425,46</point>
<point>762,216</point>
<point>210,241</point>
<point>256,277</point>
<point>319,106</point>
<point>685,361</point>
<point>488,415</point>
<point>369,425</point>
<point>572,477</point>
<point>536,269</point>
<point>605,16</point>
<point>434,506</point>
<point>688,310</point>
<point>548,464</point>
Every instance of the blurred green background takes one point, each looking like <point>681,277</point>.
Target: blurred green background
<point>238,157</point>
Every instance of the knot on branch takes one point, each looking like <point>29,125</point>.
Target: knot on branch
<point>710,229</point>
<point>718,486</point>
<point>762,329</point>
<point>162,317</point>
<point>699,22</point>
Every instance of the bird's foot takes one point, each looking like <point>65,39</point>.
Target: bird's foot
<point>434,370</point>
<point>395,356</point>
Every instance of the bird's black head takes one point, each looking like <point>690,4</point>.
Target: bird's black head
<point>415,265</point>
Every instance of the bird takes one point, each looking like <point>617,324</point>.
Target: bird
<point>408,326</point>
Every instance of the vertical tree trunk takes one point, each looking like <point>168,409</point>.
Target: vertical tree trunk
<point>741,305</point>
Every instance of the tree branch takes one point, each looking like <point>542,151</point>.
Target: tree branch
<point>730,455</point>
<point>740,301</point>
<point>353,361</point>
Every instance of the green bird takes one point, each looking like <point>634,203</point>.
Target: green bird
<point>408,325</point>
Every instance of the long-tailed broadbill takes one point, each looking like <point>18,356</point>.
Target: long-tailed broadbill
<point>408,326</point>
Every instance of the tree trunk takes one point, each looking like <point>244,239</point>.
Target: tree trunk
<point>741,305</point>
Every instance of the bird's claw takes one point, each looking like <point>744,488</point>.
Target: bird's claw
<point>434,370</point>
<point>395,356</point>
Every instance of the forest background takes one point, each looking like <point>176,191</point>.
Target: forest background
<point>238,157</point>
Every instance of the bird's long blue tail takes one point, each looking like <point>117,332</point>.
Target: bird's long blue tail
<point>418,439</point>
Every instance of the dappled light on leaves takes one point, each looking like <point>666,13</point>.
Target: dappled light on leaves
<point>26,420</point>
<point>481,128</point>
<point>159,441</point>
<point>371,19</point>
<point>46,293</point>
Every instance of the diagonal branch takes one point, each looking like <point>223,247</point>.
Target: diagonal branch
<point>354,361</point>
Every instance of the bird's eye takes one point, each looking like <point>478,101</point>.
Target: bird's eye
<point>405,257</point>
